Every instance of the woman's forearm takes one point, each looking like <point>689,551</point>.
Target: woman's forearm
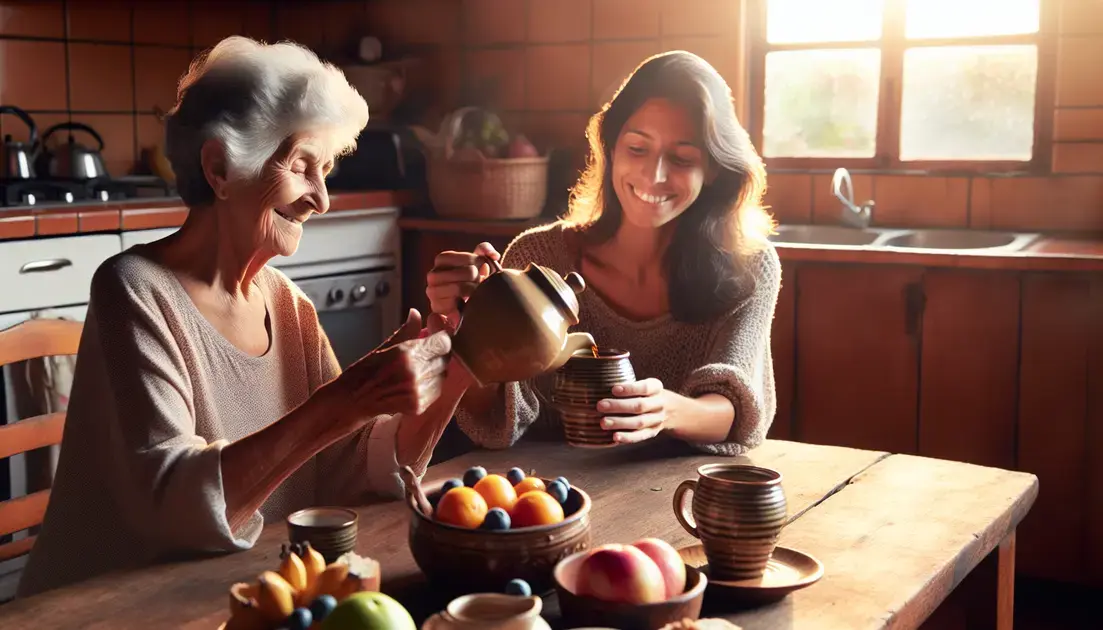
<point>417,436</point>
<point>706,419</point>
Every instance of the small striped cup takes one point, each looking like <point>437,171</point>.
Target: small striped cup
<point>737,513</point>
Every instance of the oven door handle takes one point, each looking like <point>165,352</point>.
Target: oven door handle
<point>51,264</point>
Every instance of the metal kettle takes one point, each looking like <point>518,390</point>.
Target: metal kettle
<point>18,157</point>
<point>73,160</point>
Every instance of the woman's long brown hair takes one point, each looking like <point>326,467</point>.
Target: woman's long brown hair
<point>705,263</point>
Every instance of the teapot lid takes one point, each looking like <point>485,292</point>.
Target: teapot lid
<point>560,290</point>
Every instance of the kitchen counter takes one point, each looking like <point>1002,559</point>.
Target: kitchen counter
<point>138,214</point>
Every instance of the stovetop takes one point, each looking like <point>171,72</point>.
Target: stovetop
<point>22,194</point>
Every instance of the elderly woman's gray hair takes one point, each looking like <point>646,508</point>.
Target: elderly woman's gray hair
<point>251,96</point>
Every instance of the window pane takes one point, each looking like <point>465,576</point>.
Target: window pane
<point>797,21</point>
<point>821,103</point>
<point>968,103</point>
<point>971,18</point>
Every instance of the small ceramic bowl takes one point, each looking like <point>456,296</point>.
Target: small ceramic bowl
<point>461,560</point>
<point>329,530</point>
<point>490,611</point>
<point>581,610</point>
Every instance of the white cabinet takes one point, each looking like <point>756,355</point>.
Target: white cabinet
<point>48,273</point>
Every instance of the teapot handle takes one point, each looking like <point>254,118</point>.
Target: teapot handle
<point>495,267</point>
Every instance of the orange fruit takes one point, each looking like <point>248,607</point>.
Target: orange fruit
<point>529,483</point>
<point>462,507</point>
<point>497,490</point>
<point>536,507</point>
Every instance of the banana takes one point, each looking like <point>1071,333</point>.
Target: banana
<point>243,609</point>
<point>314,563</point>
<point>292,569</point>
<point>275,597</point>
<point>331,580</point>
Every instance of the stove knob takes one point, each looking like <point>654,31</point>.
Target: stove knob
<point>359,292</point>
<point>335,295</point>
<point>383,289</point>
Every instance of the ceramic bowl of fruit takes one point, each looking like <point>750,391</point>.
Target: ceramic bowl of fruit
<point>645,585</point>
<point>477,533</point>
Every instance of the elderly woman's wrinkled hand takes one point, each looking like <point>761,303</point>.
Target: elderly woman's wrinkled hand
<point>403,375</point>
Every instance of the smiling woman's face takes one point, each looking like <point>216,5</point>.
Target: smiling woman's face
<point>659,164</point>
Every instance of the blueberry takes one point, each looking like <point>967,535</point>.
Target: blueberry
<point>496,519</point>
<point>473,475</point>
<point>300,619</point>
<point>515,475</point>
<point>519,587</point>
<point>566,484</point>
<point>448,485</point>
<point>558,490</point>
<point>322,606</point>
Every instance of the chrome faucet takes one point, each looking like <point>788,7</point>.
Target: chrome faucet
<point>852,214</point>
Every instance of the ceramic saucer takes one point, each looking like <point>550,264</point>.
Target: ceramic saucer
<point>788,570</point>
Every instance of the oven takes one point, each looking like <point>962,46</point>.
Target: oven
<point>356,309</point>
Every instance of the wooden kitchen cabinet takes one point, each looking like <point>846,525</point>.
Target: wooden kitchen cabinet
<point>783,352</point>
<point>857,356</point>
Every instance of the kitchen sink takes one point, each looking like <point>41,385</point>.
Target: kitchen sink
<point>957,239</point>
<point>823,235</point>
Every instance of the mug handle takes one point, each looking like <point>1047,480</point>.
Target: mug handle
<point>680,512</point>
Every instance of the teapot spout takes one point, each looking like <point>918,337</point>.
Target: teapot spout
<point>575,342</point>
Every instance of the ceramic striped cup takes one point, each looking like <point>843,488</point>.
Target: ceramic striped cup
<point>737,512</point>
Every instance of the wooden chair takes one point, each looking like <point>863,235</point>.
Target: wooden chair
<point>32,339</point>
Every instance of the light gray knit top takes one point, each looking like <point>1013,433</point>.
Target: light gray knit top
<point>728,355</point>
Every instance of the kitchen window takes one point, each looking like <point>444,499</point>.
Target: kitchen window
<point>900,84</point>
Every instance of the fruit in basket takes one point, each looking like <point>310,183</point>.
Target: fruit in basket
<point>473,476</point>
<point>462,507</point>
<point>496,519</point>
<point>520,147</point>
<point>369,611</point>
<point>292,568</point>
<point>536,507</point>
<point>529,483</point>
<point>564,481</point>
<point>497,490</point>
<point>515,475</point>
<point>558,491</point>
<point>669,562</point>
<point>275,597</point>
<point>620,573</point>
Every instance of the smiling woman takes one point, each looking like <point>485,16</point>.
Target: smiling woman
<point>207,398</point>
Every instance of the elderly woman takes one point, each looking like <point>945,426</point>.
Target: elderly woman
<point>207,398</point>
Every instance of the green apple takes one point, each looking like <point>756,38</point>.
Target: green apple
<point>369,611</point>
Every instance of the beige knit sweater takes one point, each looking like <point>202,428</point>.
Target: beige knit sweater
<point>729,355</point>
<point>158,392</point>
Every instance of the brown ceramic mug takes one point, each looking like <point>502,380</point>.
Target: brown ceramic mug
<point>582,381</point>
<point>330,530</point>
<point>737,513</point>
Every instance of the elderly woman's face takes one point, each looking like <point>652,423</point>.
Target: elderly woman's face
<point>291,188</point>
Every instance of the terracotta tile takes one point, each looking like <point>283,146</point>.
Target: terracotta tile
<point>430,21</point>
<point>1080,17</point>
<point>1078,81</point>
<point>721,52</point>
<point>99,220</point>
<point>385,21</point>
<point>699,17</point>
<point>557,130</point>
<point>149,218</point>
<point>157,71</point>
<point>980,203</point>
<point>826,208</point>
<point>344,24</point>
<point>55,223</point>
<point>1078,157</point>
<point>150,131</point>
<point>1056,203</point>
<point>789,197</point>
<point>299,23</point>
<point>162,23</point>
<point>438,82</point>
<point>211,22</point>
<point>32,18</point>
<point>494,21</point>
<point>100,78</point>
<point>920,201</point>
<point>117,131</point>
<point>32,74</point>
<point>564,77</point>
<point>12,227</point>
<point>259,18</point>
<point>613,62</point>
<point>1078,124</point>
<point>496,77</point>
<point>101,21</point>
<point>626,19</point>
<point>556,21</point>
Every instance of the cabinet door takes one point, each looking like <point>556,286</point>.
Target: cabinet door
<point>782,349</point>
<point>858,356</point>
<point>969,372</point>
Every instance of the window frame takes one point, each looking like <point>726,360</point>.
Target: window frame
<point>892,44</point>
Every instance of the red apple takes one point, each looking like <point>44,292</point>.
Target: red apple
<point>669,562</point>
<point>621,573</point>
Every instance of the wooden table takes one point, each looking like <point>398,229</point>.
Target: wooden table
<point>896,534</point>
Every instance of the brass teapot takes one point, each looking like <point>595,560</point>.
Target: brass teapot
<point>514,325</point>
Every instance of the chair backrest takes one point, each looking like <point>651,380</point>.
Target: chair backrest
<point>31,339</point>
